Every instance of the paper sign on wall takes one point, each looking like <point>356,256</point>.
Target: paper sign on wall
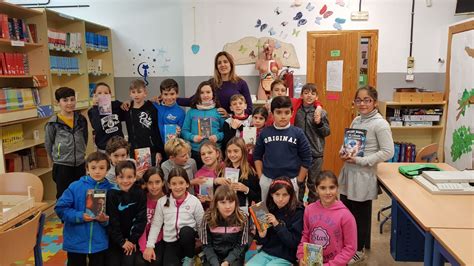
<point>334,75</point>
<point>335,53</point>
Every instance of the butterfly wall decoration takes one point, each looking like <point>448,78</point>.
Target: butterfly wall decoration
<point>261,25</point>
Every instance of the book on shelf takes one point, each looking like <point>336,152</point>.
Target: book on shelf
<point>170,131</point>
<point>258,213</point>
<point>312,254</point>
<point>207,188</point>
<point>97,41</point>
<point>64,40</point>
<point>232,174</point>
<point>354,142</point>
<point>64,64</point>
<point>204,126</point>
<point>14,64</point>
<point>143,158</point>
<point>32,32</point>
<point>94,66</point>
<point>12,134</point>
<point>14,29</point>
<point>249,134</point>
<point>105,104</point>
<point>18,98</point>
<point>95,202</point>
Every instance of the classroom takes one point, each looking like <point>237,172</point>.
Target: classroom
<point>223,132</point>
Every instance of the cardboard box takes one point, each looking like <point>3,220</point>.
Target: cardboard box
<point>404,97</point>
<point>430,97</point>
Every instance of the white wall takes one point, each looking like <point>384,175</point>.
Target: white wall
<point>148,24</point>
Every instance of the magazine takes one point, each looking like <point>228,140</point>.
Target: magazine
<point>170,132</point>
<point>204,125</point>
<point>354,142</point>
<point>105,104</point>
<point>143,158</point>
<point>95,202</point>
<point>313,254</point>
<point>207,188</point>
<point>232,174</point>
<point>258,213</point>
<point>249,134</point>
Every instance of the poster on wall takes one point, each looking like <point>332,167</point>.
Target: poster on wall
<point>459,139</point>
<point>334,75</point>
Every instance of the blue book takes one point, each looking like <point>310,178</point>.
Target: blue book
<point>170,132</point>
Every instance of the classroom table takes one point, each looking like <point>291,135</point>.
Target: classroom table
<point>423,209</point>
<point>454,245</point>
<point>38,207</point>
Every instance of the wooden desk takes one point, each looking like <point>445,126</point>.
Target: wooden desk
<point>428,210</point>
<point>38,207</point>
<point>453,244</point>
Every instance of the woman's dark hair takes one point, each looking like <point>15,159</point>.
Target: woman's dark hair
<point>370,90</point>
<point>125,165</point>
<point>277,184</point>
<point>177,171</point>
<point>326,174</point>
<point>96,157</point>
<point>197,95</point>
<point>261,111</point>
<point>155,171</point>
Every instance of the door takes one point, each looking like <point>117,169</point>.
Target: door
<point>345,46</point>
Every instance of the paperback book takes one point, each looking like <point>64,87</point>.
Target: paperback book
<point>354,142</point>
<point>313,254</point>
<point>232,174</point>
<point>207,188</point>
<point>95,202</point>
<point>249,134</point>
<point>170,132</point>
<point>258,213</point>
<point>105,104</point>
<point>143,158</point>
<point>204,125</point>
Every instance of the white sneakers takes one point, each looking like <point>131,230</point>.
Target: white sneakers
<point>358,257</point>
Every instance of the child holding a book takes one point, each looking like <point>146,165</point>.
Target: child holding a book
<point>71,209</point>
<point>224,232</point>
<point>357,179</point>
<point>117,149</point>
<point>259,118</point>
<point>155,189</point>
<point>105,124</point>
<point>247,187</point>
<point>285,216</point>
<point>178,152</point>
<point>170,114</point>
<point>281,138</point>
<point>203,121</point>
<point>126,207</point>
<point>66,136</point>
<point>329,224</point>
<point>233,126</point>
<point>180,214</point>
<point>142,123</point>
<point>316,128</point>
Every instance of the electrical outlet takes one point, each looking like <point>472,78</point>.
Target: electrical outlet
<point>410,77</point>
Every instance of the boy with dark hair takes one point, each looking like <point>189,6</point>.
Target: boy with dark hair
<point>66,137</point>
<point>105,126</point>
<point>142,123</point>
<point>169,112</point>
<point>316,127</point>
<point>281,149</point>
<point>234,125</point>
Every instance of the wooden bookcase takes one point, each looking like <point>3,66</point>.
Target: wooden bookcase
<point>39,64</point>
<point>418,135</point>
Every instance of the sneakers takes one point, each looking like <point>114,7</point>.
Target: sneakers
<point>358,257</point>
<point>187,261</point>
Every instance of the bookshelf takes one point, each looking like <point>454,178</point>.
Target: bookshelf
<point>47,80</point>
<point>420,135</point>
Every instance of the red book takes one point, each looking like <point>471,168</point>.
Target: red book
<point>3,64</point>
<point>4,26</point>
<point>8,60</point>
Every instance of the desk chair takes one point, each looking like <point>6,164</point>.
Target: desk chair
<point>17,183</point>
<point>16,244</point>
<point>427,154</point>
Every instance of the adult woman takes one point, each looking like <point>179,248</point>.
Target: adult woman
<point>227,83</point>
<point>358,180</point>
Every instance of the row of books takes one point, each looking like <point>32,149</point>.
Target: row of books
<point>97,41</point>
<point>12,134</point>
<point>64,64</point>
<point>26,160</point>
<point>13,64</point>
<point>94,66</point>
<point>403,153</point>
<point>16,29</point>
<point>18,98</point>
<point>64,40</point>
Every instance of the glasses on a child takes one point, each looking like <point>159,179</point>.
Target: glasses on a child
<point>365,101</point>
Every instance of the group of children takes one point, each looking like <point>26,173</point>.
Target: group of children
<point>154,216</point>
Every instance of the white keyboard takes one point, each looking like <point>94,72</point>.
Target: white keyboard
<point>450,186</point>
<point>444,188</point>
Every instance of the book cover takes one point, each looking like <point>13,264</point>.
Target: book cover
<point>204,125</point>
<point>207,188</point>
<point>232,174</point>
<point>143,158</point>
<point>313,254</point>
<point>258,213</point>
<point>105,104</point>
<point>249,134</point>
<point>354,142</point>
<point>170,132</point>
<point>95,202</point>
